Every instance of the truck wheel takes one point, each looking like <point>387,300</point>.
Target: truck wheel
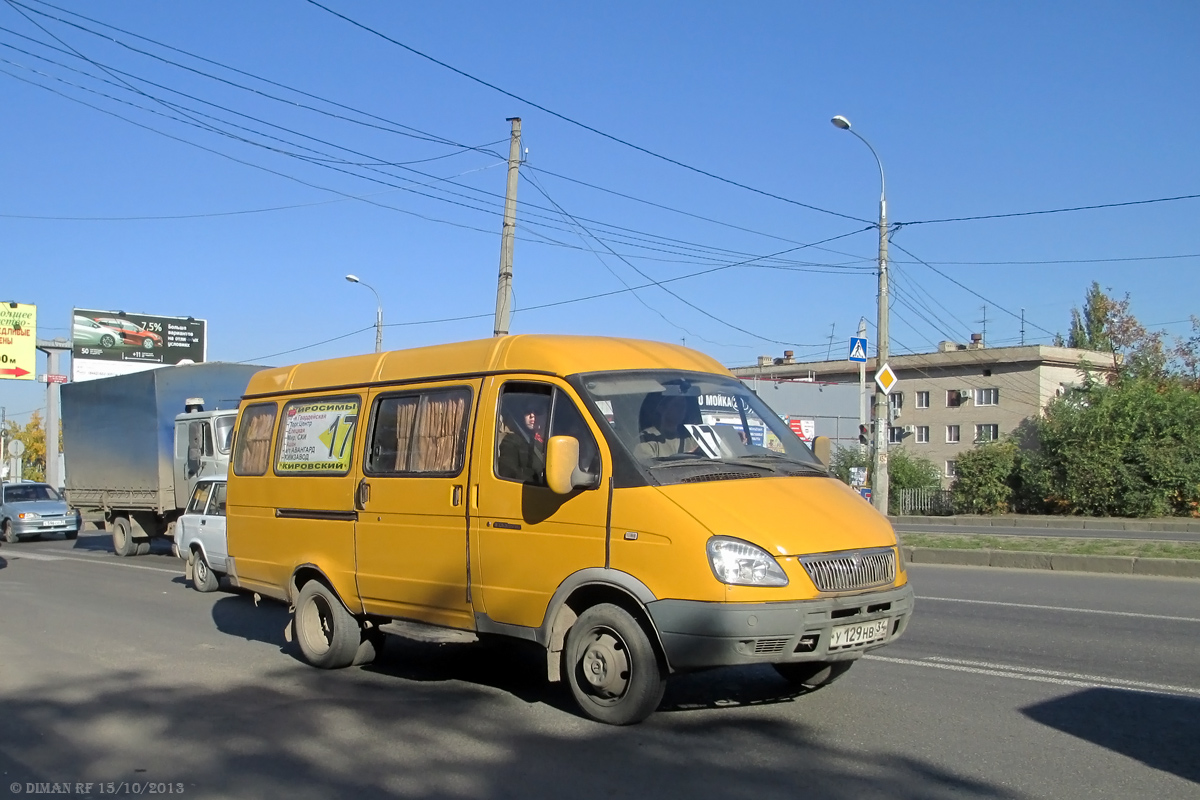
<point>203,578</point>
<point>9,536</point>
<point>812,675</point>
<point>122,537</point>
<point>328,634</point>
<point>612,667</point>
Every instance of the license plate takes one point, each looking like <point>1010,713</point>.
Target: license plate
<point>46,523</point>
<point>860,633</point>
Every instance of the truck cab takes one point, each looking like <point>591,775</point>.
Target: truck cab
<point>202,441</point>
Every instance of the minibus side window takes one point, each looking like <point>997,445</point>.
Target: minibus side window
<point>420,434</point>
<point>252,452</point>
<point>529,414</point>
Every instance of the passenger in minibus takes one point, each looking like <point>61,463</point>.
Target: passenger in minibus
<point>523,449</point>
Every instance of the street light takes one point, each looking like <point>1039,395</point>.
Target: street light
<point>378,312</point>
<point>879,459</point>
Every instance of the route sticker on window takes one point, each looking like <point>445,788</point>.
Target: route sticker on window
<point>318,436</point>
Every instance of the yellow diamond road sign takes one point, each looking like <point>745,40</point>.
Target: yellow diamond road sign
<point>886,379</point>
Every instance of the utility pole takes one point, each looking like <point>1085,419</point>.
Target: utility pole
<point>53,348</point>
<point>879,461</point>
<point>507,236</point>
<point>1022,327</point>
<point>829,349</point>
<point>984,321</point>
<point>862,378</point>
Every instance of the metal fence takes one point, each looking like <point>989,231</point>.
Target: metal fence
<point>928,502</point>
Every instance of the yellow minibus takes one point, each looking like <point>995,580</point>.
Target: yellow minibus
<point>630,506</point>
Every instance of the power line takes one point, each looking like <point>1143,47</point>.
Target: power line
<point>1049,210</point>
<point>577,123</point>
<point>1053,261</point>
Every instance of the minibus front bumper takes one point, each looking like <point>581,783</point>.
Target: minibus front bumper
<point>696,635</point>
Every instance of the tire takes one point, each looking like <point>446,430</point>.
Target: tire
<point>813,675</point>
<point>370,648</point>
<point>329,636</point>
<point>203,578</point>
<point>71,535</point>
<point>107,341</point>
<point>9,536</point>
<point>122,537</point>
<point>148,343</point>
<point>611,666</point>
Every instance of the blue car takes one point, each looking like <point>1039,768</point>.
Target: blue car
<point>28,510</point>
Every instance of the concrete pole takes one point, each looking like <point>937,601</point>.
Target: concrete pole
<point>863,413</point>
<point>508,234</point>
<point>879,461</point>
<point>53,350</point>
<point>879,480</point>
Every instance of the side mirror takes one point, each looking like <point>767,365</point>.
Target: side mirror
<point>822,450</point>
<point>563,474</point>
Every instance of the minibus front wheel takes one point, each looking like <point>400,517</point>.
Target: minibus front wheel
<point>612,668</point>
<point>328,634</point>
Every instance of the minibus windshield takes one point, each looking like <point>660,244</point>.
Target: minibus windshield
<point>685,427</point>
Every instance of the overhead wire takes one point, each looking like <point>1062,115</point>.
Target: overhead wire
<point>577,123</point>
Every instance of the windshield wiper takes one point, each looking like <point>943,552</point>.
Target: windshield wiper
<point>815,469</point>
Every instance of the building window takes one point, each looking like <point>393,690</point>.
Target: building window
<point>987,397</point>
<point>922,399</point>
<point>951,434</point>
<point>951,469</point>
<point>987,433</point>
<point>954,398</point>
<point>897,402</point>
<point>895,435</point>
<point>922,434</point>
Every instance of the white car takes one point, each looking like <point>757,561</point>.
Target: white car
<point>200,535</point>
<point>89,332</point>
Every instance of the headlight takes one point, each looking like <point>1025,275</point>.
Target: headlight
<point>29,515</point>
<point>743,564</point>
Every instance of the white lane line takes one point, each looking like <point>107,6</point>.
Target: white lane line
<point>1039,675</point>
<point>1060,608</point>
<point>34,556</point>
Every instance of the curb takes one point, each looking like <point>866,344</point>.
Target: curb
<point>1176,525</point>
<point>1058,562</point>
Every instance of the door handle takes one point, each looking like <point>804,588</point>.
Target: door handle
<point>362,495</point>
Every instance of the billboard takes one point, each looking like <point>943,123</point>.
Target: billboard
<point>18,341</point>
<point>107,343</point>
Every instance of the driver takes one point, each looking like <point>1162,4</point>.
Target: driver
<point>665,435</point>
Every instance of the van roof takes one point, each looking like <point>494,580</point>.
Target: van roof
<point>547,354</point>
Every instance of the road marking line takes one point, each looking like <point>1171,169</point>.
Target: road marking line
<point>34,556</point>
<point>1039,675</point>
<point>1060,608</point>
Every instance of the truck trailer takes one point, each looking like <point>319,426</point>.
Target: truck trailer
<point>134,445</point>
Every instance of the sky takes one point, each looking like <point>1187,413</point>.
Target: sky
<point>234,161</point>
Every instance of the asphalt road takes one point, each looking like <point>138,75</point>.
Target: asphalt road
<point>1008,684</point>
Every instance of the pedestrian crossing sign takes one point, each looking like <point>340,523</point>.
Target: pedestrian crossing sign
<point>858,350</point>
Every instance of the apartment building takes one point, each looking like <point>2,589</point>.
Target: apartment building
<point>947,401</point>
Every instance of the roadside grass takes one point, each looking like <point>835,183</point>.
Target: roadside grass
<point>1040,544</point>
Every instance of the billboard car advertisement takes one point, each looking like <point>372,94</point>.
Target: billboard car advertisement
<point>107,343</point>
<point>18,341</point>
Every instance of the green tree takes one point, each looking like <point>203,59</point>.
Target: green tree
<point>983,478</point>
<point>905,471</point>
<point>33,435</point>
<point>1089,330</point>
<point>1129,448</point>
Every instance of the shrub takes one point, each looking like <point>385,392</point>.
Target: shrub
<point>983,480</point>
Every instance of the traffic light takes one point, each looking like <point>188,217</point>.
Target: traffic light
<point>864,434</point>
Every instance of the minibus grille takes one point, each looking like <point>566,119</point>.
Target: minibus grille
<point>851,570</point>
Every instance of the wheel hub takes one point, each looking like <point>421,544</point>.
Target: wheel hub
<point>605,664</point>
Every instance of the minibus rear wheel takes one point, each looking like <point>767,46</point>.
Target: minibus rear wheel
<point>812,675</point>
<point>328,634</point>
<point>612,667</point>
